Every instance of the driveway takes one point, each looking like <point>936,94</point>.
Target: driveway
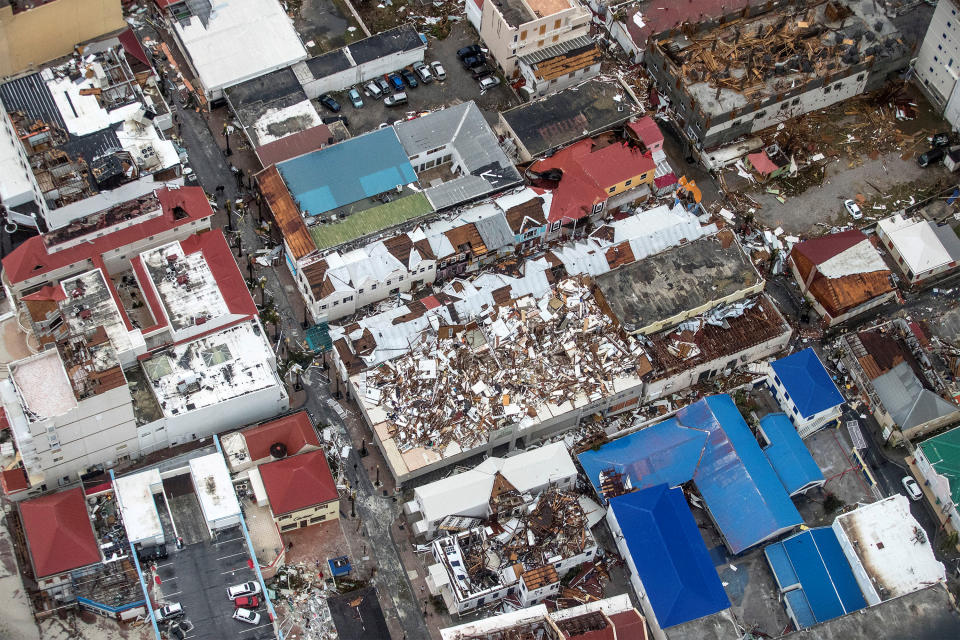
<point>458,87</point>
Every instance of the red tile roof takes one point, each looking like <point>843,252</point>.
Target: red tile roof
<point>762,163</point>
<point>629,625</point>
<point>52,292</point>
<point>59,534</point>
<point>819,250</point>
<point>660,15</point>
<point>588,174</point>
<point>294,431</point>
<point>646,130</point>
<point>298,482</point>
<point>14,480</point>
<point>32,258</point>
<point>294,145</point>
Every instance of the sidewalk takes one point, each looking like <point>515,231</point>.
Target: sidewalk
<point>945,523</point>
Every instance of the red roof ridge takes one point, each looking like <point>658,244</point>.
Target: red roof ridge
<point>295,431</point>
<point>298,482</point>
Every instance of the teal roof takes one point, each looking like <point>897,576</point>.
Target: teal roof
<point>943,454</point>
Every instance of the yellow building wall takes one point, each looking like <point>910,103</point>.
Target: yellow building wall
<point>328,511</point>
<point>31,38</point>
<point>634,181</point>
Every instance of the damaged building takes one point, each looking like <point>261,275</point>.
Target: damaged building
<point>521,552</point>
<point>737,74</point>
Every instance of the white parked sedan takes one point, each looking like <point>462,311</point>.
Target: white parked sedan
<point>852,209</point>
<point>246,589</point>
<point>245,615</point>
<point>913,489</point>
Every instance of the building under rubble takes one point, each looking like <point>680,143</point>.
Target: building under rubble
<point>82,135</point>
<point>736,74</point>
<point>520,552</point>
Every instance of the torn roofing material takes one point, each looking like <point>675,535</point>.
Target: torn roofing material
<point>285,213</point>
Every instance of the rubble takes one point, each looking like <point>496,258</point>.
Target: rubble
<point>518,357</point>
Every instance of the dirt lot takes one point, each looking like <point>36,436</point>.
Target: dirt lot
<point>458,87</point>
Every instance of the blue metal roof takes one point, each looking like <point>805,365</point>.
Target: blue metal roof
<point>710,443</point>
<point>787,453</point>
<point>743,493</point>
<point>665,453</point>
<point>669,555</point>
<point>817,579</point>
<point>347,172</point>
<point>807,381</point>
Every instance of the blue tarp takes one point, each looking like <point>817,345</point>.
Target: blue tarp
<point>818,580</point>
<point>665,453</point>
<point>803,376</point>
<point>788,455</point>
<point>743,493</point>
<point>716,449</point>
<point>347,172</point>
<point>669,555</point>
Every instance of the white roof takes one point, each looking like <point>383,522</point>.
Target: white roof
<point>860,258</point>
<point>211,481</point>
<point>884,536</point>
<point>43,385</point>
<point>243,39</point>
<point>479,628</point>
<point>15,182</point>
<point>135,497</point>
<point>304,112</point>
<point>466,492</point>
<point>184,303</point>
<point>916,242</point>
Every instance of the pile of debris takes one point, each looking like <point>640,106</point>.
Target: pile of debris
<point>503,369</point>
<point>301,602</point>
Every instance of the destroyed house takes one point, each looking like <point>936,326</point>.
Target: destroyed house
<point>612,618</point>
<point>81,136</point>
<point>842,274</point>
<point>559,66</point>
<point>709,444</point>
<point>732,75</point>
<point>519,555</point>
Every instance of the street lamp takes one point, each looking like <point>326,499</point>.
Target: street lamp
<point>227,130</point>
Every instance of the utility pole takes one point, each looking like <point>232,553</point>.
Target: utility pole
<point>227,130</point>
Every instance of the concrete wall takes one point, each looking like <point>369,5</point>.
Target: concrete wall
<point>307,517</point>
<point>362,73</point>
<point>30,38</point>
<point>246,409</point>
<point>805,426</point>
<point>506,43</point>
<point>938,60</point>
<point>940,487</point>
<point>902,267</point>
<point>635,582</point>
<point>859,572</point>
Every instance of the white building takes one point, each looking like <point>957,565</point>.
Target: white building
<point>938,60</point>
<point>920,248</point>
<point>467,494</point>
<point>888,550</point>
<point>136,499</point>
<point>212,484</point>
<point>234,41</point>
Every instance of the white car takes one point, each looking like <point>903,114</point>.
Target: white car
<point>245,615</point>
<point>489,82</point>
<point>438,71</point>
<point>852,209</point>
<point>913,489</point>
<point>169,612</point>
<point>246,589</point>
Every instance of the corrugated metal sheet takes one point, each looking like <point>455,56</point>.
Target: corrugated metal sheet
<point>285,213</point>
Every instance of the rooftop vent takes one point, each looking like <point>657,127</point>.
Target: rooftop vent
<point>278,450</point>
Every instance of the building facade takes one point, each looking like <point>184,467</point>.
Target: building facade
<point>938,60</point>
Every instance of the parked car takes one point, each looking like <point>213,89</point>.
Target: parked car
<point>251,588</point>
<point>471,50</point>
<point>152,553</point>
<point>423,72</point>
<point>409,78</point>
<point>913,489</point>
<point>247,602</point>
<point>383,84</point>
<point>373,90</point>
<point>169,612</point>
<point>474,61</point>
<point>245,615</point>
<point>481,72</point>
<point>396,82</point>
<point>355,99</point>
<point>930,157</point>
<point>329,103</point>
<point>489,82</point>
<point>941,139</point>
<point>853,209</point>
<point>438,71</point>
<point>395,100</point>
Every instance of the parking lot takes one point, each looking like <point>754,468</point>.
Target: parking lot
<point>458,87</point>
<point>198,575</point>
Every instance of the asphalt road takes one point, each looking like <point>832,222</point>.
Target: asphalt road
<point>376,511</point>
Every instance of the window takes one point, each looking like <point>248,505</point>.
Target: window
<point>318,519</point>
<point>860,77</point>
<point>827,90</point>
<point>395,290</point>
<point>388,282</point>
<point>543,29</point>
<point>572,74</point>
<point>795,101</point>
<point>373,286</point>
<point>359,290</point>
<point>514,37</point>
<point>760,114</point>
<point>628,182</point>
<point>555,38</point>
<point>323,306</point>
<point>556,225</point>
<point>523,35</point>
<point>556,25</point>
<point>347,299</point>
<point>735,123</point>
<point>400,279</point>
<point>612,189</point>
<point>539,43</point>
<point>336,302</point>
